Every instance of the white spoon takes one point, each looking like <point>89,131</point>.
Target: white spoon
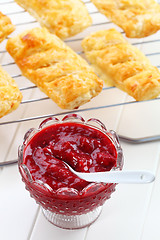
<point>116,176</point>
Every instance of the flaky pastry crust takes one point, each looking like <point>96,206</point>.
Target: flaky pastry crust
<point>138,18</point>
<point>10,95</point>
<point>122,65</point>
<point>64,18</point>
<point>54,67</point>
<point>6,27</point>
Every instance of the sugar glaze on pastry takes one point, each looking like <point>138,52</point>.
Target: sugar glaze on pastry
<point>138,18</point>
<point>122,65</point>
<point>54,67</point>
<point>10,95</point>
<point>64,18</point>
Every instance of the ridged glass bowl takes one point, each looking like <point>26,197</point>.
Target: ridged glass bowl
<point>66,207</point>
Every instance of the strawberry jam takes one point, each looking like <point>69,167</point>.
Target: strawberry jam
<point>84,148</point>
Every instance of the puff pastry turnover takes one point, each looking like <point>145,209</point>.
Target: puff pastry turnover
<point>122,65</point>
<point>10,95</point>
<point>54,67</point>
<point>6,27</point>
<point>64,18</point>
<point>138,18</point>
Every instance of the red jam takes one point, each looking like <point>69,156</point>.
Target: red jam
<point>85,148</point>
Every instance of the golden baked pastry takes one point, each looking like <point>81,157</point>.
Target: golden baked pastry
<point>122,65</point>
<point>138,18</point>
<point>64,18</point>
<point>54,67</point>
<point>6,27</point>
<point>10,95</point>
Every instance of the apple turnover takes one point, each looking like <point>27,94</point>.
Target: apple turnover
<point>54,67</point>
<point>6,27</point>
<point>138,18</point>
<point>122,65</point>
<point>64,18</point>
<point>10,95</point>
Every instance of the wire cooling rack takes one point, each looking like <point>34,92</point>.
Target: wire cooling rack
<point>122,105</point>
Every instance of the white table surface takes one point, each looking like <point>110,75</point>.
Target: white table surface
<point>133,211</point>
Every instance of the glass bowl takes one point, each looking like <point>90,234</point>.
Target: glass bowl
<point>66,207</point>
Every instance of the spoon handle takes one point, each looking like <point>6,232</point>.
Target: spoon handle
<point>118,177</point>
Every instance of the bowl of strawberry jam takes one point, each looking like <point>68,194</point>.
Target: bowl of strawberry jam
<point>87,146</point>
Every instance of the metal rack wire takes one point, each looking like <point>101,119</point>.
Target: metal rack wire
<point>70,41</point>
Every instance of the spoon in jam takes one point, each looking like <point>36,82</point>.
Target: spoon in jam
<point>116,176</point>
